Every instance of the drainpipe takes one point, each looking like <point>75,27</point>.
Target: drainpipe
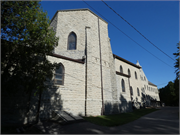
<point>86,70</point>
<point>102,110</point>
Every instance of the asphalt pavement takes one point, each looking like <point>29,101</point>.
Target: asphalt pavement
<point>163,121</point>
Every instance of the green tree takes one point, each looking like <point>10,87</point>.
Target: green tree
<point>167,93</point>
<point>176,81</point>
<point>177,61</point>
<point>176,87</point>
<point>26,39</point>
<point>170,93</point>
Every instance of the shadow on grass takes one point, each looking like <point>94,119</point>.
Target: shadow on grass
<point>119,119</point>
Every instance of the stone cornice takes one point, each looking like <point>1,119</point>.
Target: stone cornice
<point>119,73</point>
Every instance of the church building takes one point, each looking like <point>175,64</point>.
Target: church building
<point>91,80</point>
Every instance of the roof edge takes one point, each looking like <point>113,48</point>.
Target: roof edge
<point>126,61</point>
<point>80,9</point>
<point>150,83</point>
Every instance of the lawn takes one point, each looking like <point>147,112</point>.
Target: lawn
<point>119,119</point>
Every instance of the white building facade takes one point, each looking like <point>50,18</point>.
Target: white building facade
<point>91,79</point>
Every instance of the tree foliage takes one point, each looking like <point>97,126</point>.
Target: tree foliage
<point>177,61</point>
<point>26,39</point>
<point>169,94</point>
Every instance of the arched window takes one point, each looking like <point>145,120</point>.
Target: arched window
<point>138,91</point>
<point>72,41</point>
<point>129,73</point>
<point>59,75</point>
<point>121,69</point>
<point>135,75</point>
<point>123,85</point>
<point>144,78</point>
<point>131,91</point>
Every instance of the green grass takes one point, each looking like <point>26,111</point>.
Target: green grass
<point>119,119</point>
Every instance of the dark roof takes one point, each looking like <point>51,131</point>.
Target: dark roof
<point>115,56</point>
<point>150,83</point>
<point>80,9</point>
<point>66,58</point>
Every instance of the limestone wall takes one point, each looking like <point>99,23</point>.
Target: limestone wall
<point>132,81</point>
<point>153,92</point>
<point>147,91</point>
<point>70,96</point>
<point>94,98</point>
<point>93,37</point>
<point>150,91</point>
<point>144,84</point>
<point>123,97</point>
<point>54,23</point>
<point>72,21</point>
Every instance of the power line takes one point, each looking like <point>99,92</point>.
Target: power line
<point>162,84</point>
<point>137,30</point>
<point>128,36</point>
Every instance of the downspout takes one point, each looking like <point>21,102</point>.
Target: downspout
<point>102,110</point>
<point>86,70</point>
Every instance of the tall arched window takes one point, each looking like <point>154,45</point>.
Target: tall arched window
<point>72,41</point>
<point>129,73</point>
<point>59,75</point>
<point>138,92</point>
<point>121,69</point>
<point>123,85</point>
<point>131,91</point>
<point>135,75</point>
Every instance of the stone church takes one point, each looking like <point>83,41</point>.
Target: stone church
<point>91,80</point>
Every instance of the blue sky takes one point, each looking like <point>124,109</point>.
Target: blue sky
<point>156,20</point>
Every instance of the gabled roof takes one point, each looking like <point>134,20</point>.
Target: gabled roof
<point>126,61</point>
<point>150,83</point>
<point>81,9</point>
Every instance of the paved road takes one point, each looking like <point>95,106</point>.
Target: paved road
<point>164,121</point>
